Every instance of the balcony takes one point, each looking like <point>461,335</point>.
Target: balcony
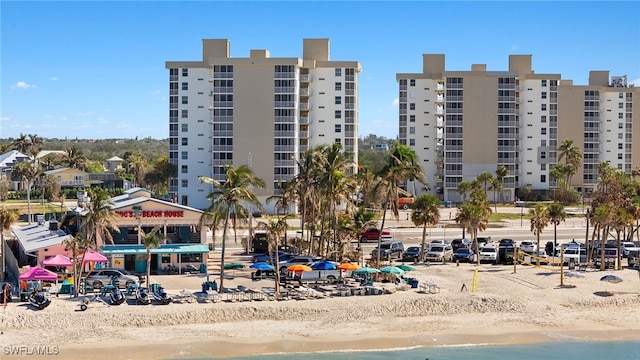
<point>305,77</point>
<point>304,148</point>
<point>223,104</point>
<point>349,106</point>
<point>349,148</point>
<point>403,87</point>
<point>304,106</point>
<point>402,99</point>
<point>225,148</point>
<point>173,92</point>
<point>223,75</point>
<point>349,92</point>
<point>284,163</point>
<point>285,119</point>
<point>284,104</point>
<point>305,92</point>
<point>283,148</point>
<point>349,134</point>
<point>303,134</point>
<point>349,120</point>
<point>221,133</point>
<point>350,78</point>
<point>285,75</point>
<point>303,120</point>
<point>173,78</point>
<point>284,90</point>
<point>223,89</point>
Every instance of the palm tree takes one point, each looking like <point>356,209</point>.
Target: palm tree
<point>151,241</point>
<point>464,188</point>
<point>35,144</point>
<point>402,166</point>
<point>425,213</point>
<point>229,197</point>
<point>21,144</point>
<point>74,158</point>
<point>137,164</point>
<point>8,217</point>
<point>474,217</point>
<point>556,214</point>
<point>539,220</point>
<point>100,219</point>
<point>362,219</point>
<point>276,229</point>
<point>485,178</point>
<point>28,172</point>
<point>75,244</point>
<point>572,156</point>
<point>501,173</point>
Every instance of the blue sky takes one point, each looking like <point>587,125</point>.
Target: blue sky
<point>96,69</point>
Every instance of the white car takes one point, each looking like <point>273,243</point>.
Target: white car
<point>488,254</point>
<point>528,246</point>
<point>626,247</point>
<point>440,253</point>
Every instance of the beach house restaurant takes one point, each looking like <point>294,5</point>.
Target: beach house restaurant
<point>184,240</point>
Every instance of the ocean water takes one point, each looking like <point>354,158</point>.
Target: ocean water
<point>565,350</point>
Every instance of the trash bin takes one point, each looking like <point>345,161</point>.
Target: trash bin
<point>414,284</point>
<point>572,264</point>
<point>203,269</point>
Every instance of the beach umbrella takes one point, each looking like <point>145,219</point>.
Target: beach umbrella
<point>611,279</point>
<point>348,266</point>
<point>323,265</point>
<point>262,266</point>
<point>405,267</point>
<point>92,256</point>
<point>366,270</point>
<point>233,266</point>
<point>299,268</point>
<point>392,270</point>
<point>38,273</point>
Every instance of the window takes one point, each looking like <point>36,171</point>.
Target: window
<point>185,86</point>
<point>338,100</point>
<point>195,258</point>
<point>185,199</point>
<point>543,167</point>
<point>620,116</point>
<point>543,131</point>
<point>620,105</point>
<point>185,155</point>
<point>619,156</point>
<point>543,107</point>
<point>412,106</point>
<point>620,126</point>
<point>412,142</point>
<point>412,130</point>
<point>543,178</point>
<point>338,114</point>
<point>185,72</point>
<point>185,141</point>
<point>338,72</point>
<point>543,119</point>
<point>620,95</point>
<point>412,82</point>
<point>543,155</point>
<point>620,146</point>
<point>543,83</point>
<point>338,141</point>
<point>544,95</point>
<point>338,86</point>
<point>185,169</point>
<point>338,128</point>
<point>185,114</point>
<point>412,118</point>
<point>185,100</point>
<point>185,183</point>
<point>185,127</point>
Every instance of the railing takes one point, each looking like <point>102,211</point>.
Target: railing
<point>283,148</point>
<point>225,133</point>
<point>285,119</point>
<point>72,182</point>
<point>173,92</point>
<point>507,98</point>
<point>222,148</point>
<point>284,104</point>
<point>349,92</point>
<point>284,163</point>
<point>349,106</point>
<point>303,134</point>
<point>223,103</point>
<point>349,134</point>
<point>173,106</point>
<point>507,123</point>
<point>349,148</point>
<point>223,89</point>
<point>284,133</point>
<point>222,75</point>
<point>285,75</point>
<point>305,92</point>
<point>304,106</point>
<point>349,120</point>
<point>305,77</point>
<point>403,87</point>
<point>350,78</point>
<point>284,90</point>
<point>452,98</point>
<point>173,77</point>
<point>223,119</point>
<point>303,119</point>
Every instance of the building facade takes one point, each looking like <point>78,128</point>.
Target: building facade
<point>463,123</point>
<point>258,111</point>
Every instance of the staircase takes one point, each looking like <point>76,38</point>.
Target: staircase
<point>213,262</point>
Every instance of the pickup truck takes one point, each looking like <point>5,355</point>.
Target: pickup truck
<point>319,276</point>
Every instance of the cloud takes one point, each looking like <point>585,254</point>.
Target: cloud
<point>392,107</point>
<point>4,118</point>
<point>22,85</point>
<point>86,113</point>
<point>395,102</point>
<point>53,78</point>
<point>514,47</point>
<point>636,82</point>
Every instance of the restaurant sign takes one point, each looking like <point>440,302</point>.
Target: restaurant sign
<point>151,213</point>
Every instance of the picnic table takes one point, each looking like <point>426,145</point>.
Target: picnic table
<point>430,288</point>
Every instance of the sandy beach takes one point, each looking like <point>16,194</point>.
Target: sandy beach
<point>507,308</point>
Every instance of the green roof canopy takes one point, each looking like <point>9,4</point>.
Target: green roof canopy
<point>163,249</point>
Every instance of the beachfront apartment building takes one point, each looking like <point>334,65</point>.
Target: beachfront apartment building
<point>259,111</point>
<point>463,123</point>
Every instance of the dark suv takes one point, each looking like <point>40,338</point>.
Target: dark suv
<point>412,253</point>
<point>388,250</point>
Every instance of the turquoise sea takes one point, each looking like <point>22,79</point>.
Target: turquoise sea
<point>565,350</point>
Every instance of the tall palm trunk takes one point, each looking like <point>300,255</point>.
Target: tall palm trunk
<point>384,217</point>
<point>222,251</point>
<point>424,240</point>
<point>148,268</point>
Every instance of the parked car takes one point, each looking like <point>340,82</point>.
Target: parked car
<point>439,242</point>
<point>372,234</point>
<point>633,259</point>
<point>488,254</point>
<point>628,246</point>
<point>464,255</point>
<point>412,253</point>
<point>610,257</point>
<point>440,253</point>
<point>266,257</point>
<point>507,242</point>
<point>300,259</point>
<point>389,249</point>
<point>100,278</point>
<point>528,246</point>
<point>460,243</point>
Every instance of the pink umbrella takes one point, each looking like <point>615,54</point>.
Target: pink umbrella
<point>38,273</point>
<point>58,260</point>
<point>92,256</point>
